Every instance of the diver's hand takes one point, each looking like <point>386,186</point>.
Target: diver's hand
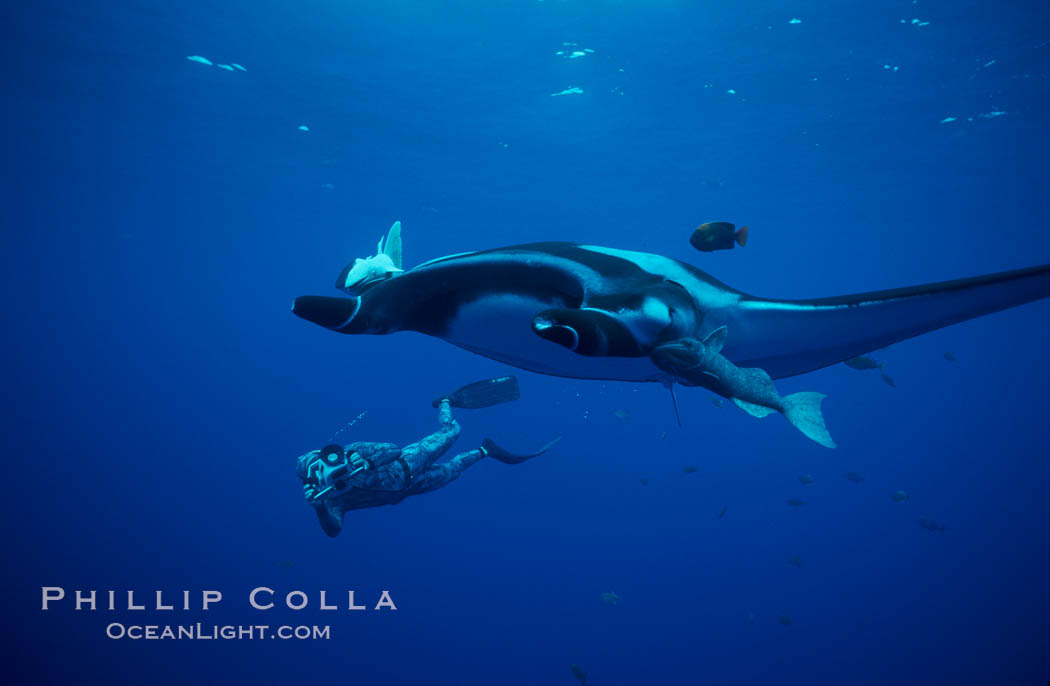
<point>310,493</point>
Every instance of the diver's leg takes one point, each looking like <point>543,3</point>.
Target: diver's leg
<point>438,475</point>
<point>423,453</point>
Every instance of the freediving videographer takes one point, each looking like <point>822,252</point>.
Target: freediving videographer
<point>337,479</point>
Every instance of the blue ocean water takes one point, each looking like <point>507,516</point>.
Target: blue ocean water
<point>162,214</point>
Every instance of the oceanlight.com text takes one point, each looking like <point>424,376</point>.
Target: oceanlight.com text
<point>216,632</point>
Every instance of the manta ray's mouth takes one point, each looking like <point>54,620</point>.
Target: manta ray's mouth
<point>331,313</point>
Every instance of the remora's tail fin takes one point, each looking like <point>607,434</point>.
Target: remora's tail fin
<point>788,337</point>
<point>803,411</point>
<point>483,393</point>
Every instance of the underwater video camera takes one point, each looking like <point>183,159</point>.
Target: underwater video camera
<point>330,473</point>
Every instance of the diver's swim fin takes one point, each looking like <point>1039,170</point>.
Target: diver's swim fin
<point>506,457</point>
<point>483,393</point>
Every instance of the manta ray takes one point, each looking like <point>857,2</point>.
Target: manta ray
<point>594,312</point>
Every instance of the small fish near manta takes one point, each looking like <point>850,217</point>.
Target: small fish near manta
<point>717,236</point>
<point>593,312</point>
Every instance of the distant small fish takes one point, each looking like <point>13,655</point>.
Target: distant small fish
<point>794,560</point>
<point>287,565</point>
<point>888,380</point>
<point>717,236</point>
<point>806,479</point>
<point>643,481</point>
<point>862,363</point>
<point>796,502</point>
<point>663,435</point>
<point>580,675</point>
<point>717,402</point>
<point>855,477</point>
<point>621,414</point>
<point>224,66</point>
<point>900,496</point>
<point>199,59</point>
<point>723,512</point>
<point>610,598</point>
<point>930,525</point>
<point>689,469</point>
<point>950,357</point>
<point>784,619</point>
<point>237,66</point>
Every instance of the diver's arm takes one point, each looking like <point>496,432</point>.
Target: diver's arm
<point>384,454</point>
<point>377,454</point>
<point>330,523</point>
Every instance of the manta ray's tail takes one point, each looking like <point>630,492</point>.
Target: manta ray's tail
<point>788,337</point>
<point>803,411</point>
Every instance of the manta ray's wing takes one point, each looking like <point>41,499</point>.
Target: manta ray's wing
<point>788,337</point>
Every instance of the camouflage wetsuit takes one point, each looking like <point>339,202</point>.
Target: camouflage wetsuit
<point>394,473</point>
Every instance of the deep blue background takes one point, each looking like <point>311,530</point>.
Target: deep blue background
<point>160,215</point>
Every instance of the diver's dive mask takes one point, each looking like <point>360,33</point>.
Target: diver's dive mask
<point>330,473</point>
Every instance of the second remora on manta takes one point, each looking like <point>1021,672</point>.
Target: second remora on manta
<point>700,363</point>
<point>607,310</point>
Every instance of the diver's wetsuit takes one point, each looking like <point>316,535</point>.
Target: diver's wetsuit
<point>394,473</point>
